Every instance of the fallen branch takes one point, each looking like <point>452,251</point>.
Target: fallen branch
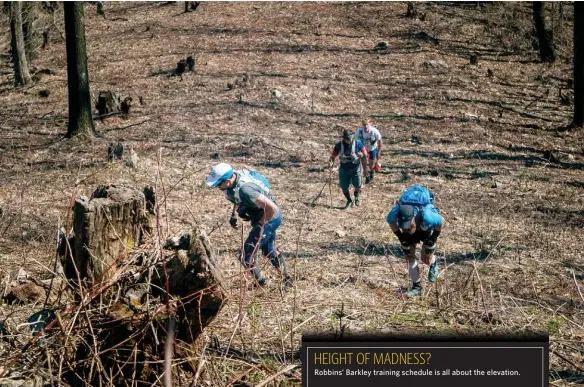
<point>282,371</point>
<point>528,115</point>
<point>566,360</point>
<point>577,286</point>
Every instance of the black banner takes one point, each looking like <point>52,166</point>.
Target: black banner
<point>449,361</point>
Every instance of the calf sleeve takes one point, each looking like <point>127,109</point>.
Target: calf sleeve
<point>280,263</point>
<point>357,192</point>
<point>347,195</point>
<point>257,273</point>
<point>414,270</point>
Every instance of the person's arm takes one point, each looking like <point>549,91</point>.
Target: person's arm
<point>334,154</point>
<point>379,143</point>
<point>233,218</point>
<point>362,151</point>
<point>434,220</point>
<point>392,221</point>
<point>268,206</point>
<point>333,157</point>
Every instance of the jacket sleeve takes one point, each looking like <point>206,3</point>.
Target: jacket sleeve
<point>392,216</point>
<point>336,149</point>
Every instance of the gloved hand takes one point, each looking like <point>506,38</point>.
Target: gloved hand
<point>430,242</point>
<point>401,236</point>
<point>403,240</point>
<point>242,213</point>
<point>233,221</point>
<point>257,216</point>
<point>429,246</point>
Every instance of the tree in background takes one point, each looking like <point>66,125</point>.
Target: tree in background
<point>578,64</point>
<point>80,118</point>
<point>21,73</point>
<point>31,34</point>
<point>544,37</point>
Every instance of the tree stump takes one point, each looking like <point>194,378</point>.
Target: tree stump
<point>107,103</point>
<point>181,67</point>
<point>411,11</point>
<point>191,63</point>
<point>194,276</point>
<point>106,227</point>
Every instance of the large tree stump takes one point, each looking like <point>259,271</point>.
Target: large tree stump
<point>193,275</point>
<point>107,226</point>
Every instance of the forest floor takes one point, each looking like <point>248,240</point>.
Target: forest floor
<point>478,135</point>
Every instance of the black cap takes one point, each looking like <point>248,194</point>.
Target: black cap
<point>347,134</point>
<point>406,214</point>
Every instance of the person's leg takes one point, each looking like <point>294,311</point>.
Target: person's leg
<point>268,246</point>
<point>249,250</point>
<point>344,182</point>
<point>414,272</point>
<point>365,168</point>
<point>372,161</point>
<point>429,259</point>
<point>357,182</point>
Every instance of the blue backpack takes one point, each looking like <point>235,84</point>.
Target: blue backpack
<point>417,196</point>
<point>248,176</point>
<point>256,177</point>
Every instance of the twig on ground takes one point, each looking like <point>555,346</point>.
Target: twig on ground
<point>577,286</point>
<point>282,371</point>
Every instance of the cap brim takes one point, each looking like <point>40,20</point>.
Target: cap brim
<point>212,182</point>
<point>405,225</point>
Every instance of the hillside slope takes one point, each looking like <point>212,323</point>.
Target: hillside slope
<point>510,253</point>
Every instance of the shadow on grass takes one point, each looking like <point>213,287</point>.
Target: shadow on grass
<point>318,203</point>
<point>567,376</point>
<point>361,246</point>
<point>478,256</point>
<point>561,217</point>
<point>528,160</point>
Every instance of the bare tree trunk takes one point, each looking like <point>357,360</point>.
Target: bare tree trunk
<point>21,73</point>
<point>544,37</point>
<point>31,35</point>
<point>578,64</point>
<point>80,118</point>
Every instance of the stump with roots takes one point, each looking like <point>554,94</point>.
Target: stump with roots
<point>121,272</point>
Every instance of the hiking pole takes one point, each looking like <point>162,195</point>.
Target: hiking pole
<point>319,194</point>
<point>330,181</point>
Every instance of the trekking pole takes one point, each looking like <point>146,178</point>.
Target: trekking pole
<point>330,183</point>
<point>319,194</point>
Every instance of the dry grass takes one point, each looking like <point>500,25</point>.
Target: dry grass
<point>510,255</point>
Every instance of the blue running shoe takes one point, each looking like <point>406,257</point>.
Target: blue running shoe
<point>433,272</point>
<point>416,291</point>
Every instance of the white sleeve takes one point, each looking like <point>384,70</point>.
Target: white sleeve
<point>377,134</point>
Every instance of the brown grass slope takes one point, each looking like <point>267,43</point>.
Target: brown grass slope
<point>510,254</point>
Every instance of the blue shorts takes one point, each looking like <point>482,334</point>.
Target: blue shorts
<point>373,154</point>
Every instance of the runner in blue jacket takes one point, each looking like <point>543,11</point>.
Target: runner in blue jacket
<point>413,220</point>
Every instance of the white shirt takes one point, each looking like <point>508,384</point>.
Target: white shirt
<point>369,139</point>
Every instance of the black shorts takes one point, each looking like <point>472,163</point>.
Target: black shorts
<point>418,236</point>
